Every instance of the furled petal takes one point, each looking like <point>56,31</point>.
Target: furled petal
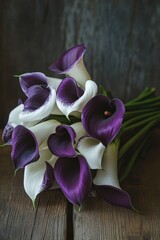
<point>42,130</point>
<point>7,133</point>
<point>71,63</point>
<point>24,147</point>
<point>14,115</point>
<point>61,143</point>
<point>28,80</point>
<point>102,118</point>
<point>39,176</point>
<point>79,130</point>
<point>74,178</point>
<point>92,150</point>
<point>106,180</point>
<point>71,98</point>
<point>39,105</point>
<point>115,196</point>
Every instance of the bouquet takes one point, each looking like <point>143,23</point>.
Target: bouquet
<point>74,135</point>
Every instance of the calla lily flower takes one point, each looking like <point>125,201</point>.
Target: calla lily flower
<point>26,142</point>
<point>106,180</point>
<point>102,118</point>
<point>74,178</point>
<point>71,98</point>
<point>41,93</point>
<point>13,121</point>
<point>62,143</point>
<point>39,175</point>
<point>71,63</point>
<point>92,150</point>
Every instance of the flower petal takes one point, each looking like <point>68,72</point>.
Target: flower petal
<point>106,180</point>
<point>92,150</point>
<point>79,130</point>
<point>76,100</point>
<point>71,63</point>
<point>28,80</point>
<point>39,176</point>
<point>102,118</point>
<point>68,59</point>
<point>24,147</point>
<point>74,178</point>
<point>7,133</point>
<point>39,105</point>
<point>61,142</point>
<point>42,130</point>
<point>115,196</point>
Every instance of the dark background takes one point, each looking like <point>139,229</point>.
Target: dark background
<point>122,37</point>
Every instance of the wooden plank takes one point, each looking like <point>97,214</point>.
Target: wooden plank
<point>99,220</point>
<point>18,218</point>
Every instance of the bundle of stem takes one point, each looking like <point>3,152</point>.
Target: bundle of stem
<point>141,118</point>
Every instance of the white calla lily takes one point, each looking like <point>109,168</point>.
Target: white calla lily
<point>108,174</point>
<point>92,150</point>
<point>43,130</point>
<point>89,92</point>
<point>36,172</point>
<point>42,111</point>
<point>14,119</point>
<point>53,82</point>
<point>79,73</point>
<point>79,130</point>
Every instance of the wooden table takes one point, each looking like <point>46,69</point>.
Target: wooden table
<point>55,219</point>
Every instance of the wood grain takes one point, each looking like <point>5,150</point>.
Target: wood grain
<point>101,221</point>
<point>123,40</point>
<point>18,218</point>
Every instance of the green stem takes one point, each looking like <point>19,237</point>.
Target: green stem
<point>132,141</point>
<point>140,123</point>
<point>141,111</point>
<point>131,162</point>
<point>148,92</point>
<point>139,117</point>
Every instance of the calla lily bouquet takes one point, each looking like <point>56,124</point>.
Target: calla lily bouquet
<point>73,135</point>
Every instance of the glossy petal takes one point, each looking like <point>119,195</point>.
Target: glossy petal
<point>102,118</point>
<point>28,80</point>
<point>68,59</point>
<point>61,143</point>
<point>74,178</point>
<point>115,196</point>
<point>92,150</point>
<point>39,176</point>
<point>71,63</point>
<point>24,147</point>
<point>106,180</point>
<point>39,105</point>
<point>76,100</point>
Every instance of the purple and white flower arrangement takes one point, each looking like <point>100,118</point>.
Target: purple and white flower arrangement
<point>70,134</point>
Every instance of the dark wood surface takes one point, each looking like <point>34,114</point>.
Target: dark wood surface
<point>123,40</point>
<point>55,219</point>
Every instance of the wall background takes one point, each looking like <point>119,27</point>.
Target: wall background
<point>123,40</point>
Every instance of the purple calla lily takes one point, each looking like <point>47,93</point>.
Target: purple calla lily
<point>61,143</point>
<point>41,95</point>
<point>114,196</point>
<point>7,133</point>
<point>102,118</point>
<point>24,147</point>
<point>74,178</point>
<point>77,98</point>
<point>71,63</point>
<point>28,80</point>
